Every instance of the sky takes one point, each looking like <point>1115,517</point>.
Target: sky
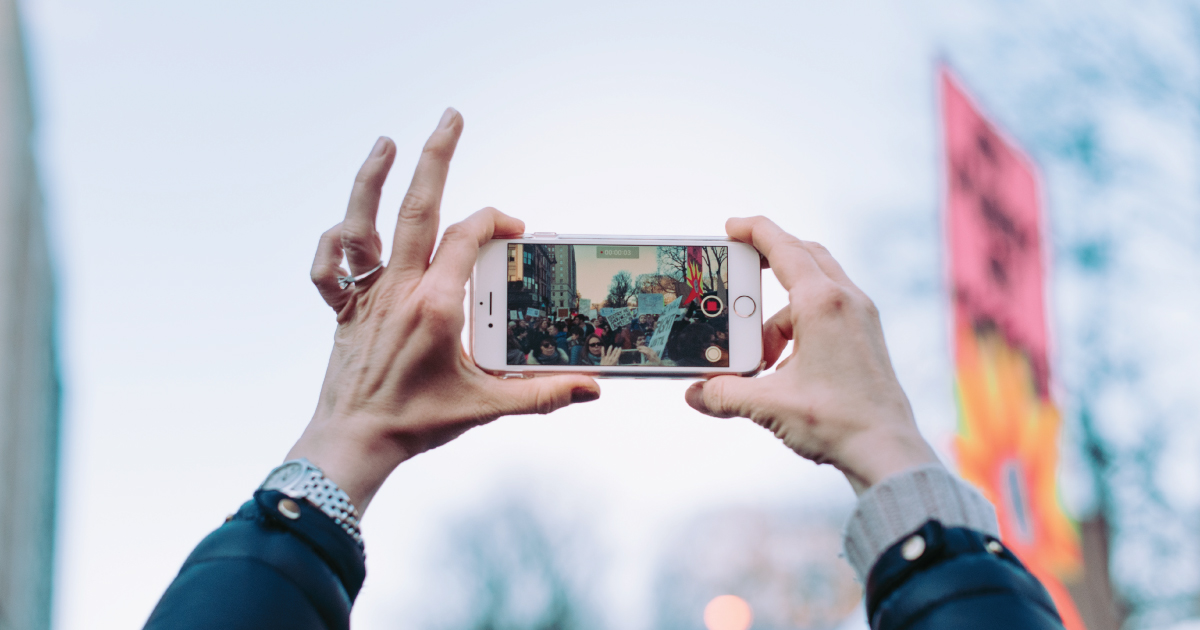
<point>193,153</point>
<point>593,275</point>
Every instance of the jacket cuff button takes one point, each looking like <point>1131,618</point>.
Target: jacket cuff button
<point>913,548</point>
<point>994,547</point>
<point>289,509</point>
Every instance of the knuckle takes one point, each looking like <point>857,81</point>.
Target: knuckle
<point>416,202</point>
<point>437,309</point>
<point>544,401</point>
<point>833,299</point>
<point>357,247</point>
<point>355,234</point>
<point>456,232</point>
<point>716,397</point>
<point>427,306</point>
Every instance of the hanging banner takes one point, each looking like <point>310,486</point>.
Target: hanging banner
<point>695,275</point>
<point>1007,442</point>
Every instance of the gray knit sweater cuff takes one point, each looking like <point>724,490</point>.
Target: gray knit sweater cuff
<point>903,502</point>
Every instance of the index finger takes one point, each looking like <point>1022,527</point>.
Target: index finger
<point>789,259</point>
<point>456,255</point>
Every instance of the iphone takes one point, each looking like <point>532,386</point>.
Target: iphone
<point>634,306</point>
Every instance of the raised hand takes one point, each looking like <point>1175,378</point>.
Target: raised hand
<point>610,355</point>
<point>399,381</point>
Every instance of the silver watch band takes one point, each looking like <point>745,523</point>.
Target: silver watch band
<point>302,479</point>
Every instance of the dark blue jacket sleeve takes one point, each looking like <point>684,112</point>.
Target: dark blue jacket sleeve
<point>264,570</point>
<point>960,579</point>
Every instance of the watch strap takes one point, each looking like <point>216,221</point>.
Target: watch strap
<point>313,486</point>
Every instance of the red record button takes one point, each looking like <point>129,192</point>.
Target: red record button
<point>712,306</point>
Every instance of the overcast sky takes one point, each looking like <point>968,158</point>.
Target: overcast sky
<point>193,152</point>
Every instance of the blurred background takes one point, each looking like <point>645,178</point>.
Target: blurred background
<point>168,167</point>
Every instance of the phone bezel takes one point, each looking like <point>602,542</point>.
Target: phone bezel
<point>488,345</point>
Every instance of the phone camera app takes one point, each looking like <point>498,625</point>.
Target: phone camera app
<point>618,305</point>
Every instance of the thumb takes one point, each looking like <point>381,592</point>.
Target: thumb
<point>724,396</point>
<point>544,394</point>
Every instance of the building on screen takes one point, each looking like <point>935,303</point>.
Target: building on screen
<point>564,297</point>
<point>529,272</point>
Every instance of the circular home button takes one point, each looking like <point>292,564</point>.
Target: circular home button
<point>744,306</point>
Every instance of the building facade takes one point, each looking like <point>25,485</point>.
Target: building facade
<point>29,385</point>
<point>529,268</point>
<point>564,298</point>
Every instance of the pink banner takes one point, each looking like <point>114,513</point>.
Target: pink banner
<point>994,229</point>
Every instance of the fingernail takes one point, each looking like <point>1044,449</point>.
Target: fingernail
<point>584,394</point>
<point>380,147</point>
<point>447,117</point>
<point>695,397</point>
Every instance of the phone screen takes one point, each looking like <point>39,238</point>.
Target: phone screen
<point>592,305</point>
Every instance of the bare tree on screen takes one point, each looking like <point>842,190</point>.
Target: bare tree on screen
<point>672,262</point>
<point>714,259</point>
<point>620,290</point>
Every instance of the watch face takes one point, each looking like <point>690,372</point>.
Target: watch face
<point>284,475</point>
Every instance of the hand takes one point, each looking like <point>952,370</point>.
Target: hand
<point>610,355</point>
<point>650,354</point>
<point>835,399</point>
<point>399,381</point>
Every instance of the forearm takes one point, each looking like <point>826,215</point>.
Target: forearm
<point>262,569</point>
<point>927,546</point>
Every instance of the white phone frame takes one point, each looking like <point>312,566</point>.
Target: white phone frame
<point>489,301</point>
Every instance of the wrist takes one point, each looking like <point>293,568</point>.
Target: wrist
<point>350,455</point>
<point>871,456</point>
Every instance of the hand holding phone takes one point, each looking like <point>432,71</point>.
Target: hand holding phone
<point>398,381</point>
<point>835,399</point>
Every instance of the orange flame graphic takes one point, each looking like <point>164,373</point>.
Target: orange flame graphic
<point>1007,446</point>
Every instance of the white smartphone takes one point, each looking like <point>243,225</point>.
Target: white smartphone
<point>636,306</point>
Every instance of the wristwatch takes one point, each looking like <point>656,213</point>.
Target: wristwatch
<point>302,479</point>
